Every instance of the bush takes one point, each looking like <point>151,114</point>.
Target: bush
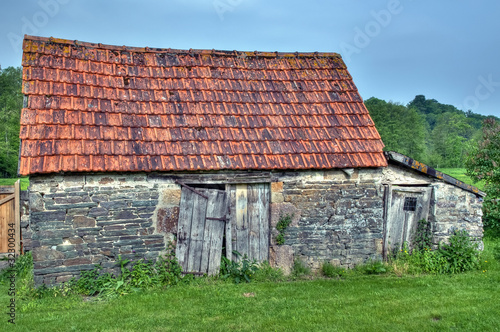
<point>267,273</point>
<point>459,255</point>
<point>331,271</point>
<point>238,271</point>
<point>300,269</point>
<point>372,267</point>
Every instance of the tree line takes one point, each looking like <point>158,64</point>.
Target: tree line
<point>435,134</point>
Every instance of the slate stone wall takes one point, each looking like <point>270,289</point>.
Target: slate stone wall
<point>338,217</point>
<point>80,220</point>
<point>76,221</point>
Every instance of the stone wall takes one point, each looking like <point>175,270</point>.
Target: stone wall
<point>338,217</point>
<point>77,221</point>
<point>80,220</point>
<point>452,208</point>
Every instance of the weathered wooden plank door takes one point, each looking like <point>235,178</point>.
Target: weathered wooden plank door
<point>405,207</point>
<point>200,230</point>
<point>10,217</point>
<point>250,220</point>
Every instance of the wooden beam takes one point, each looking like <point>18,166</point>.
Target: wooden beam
<point>8,198</point>
<point>17,214</point>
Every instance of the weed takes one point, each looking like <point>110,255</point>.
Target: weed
<point>300,269</point>
<point>372,267</point>
<point>267,273</point>
<point>238,271</point>
<point>281,226</point>
<point>423,236</point>
<point>331,271</point>
<point>460,254</point>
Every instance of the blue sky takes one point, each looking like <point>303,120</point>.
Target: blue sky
<point>395,49</point>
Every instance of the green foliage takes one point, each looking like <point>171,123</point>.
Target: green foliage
<point>267,273</point>
<point>331,271</point>
<point>402,129</point>
<point>11,102</point>
<point>300,269</point>
<point>239,271</point>
<point>372,267</point>
<point>433,133</point>
<point>459,255</point>
<point>134,276</point>
<point>423,235</point>
<point>483,163</point>
<point>281,226</point>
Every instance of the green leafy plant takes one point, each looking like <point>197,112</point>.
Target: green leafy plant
<point>331,271</point>
<point>482,164</point>
<point>281,226</point>
<point>460,254</point>
<point>423,235</point>
<point>300,269</point>
<point>266,272</point>
<point>244,270</point>
<point>373,267</point>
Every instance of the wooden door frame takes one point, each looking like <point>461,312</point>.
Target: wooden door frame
<point>409,188</point>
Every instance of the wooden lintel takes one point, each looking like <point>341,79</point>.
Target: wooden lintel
<point>191,188</point>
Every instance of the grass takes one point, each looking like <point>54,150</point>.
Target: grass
<point>459,174</point>
<point>464,302</point>
<point>10,182</point>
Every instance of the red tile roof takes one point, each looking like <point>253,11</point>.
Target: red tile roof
<point>94,107</point>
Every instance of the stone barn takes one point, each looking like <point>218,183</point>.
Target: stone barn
<point>129,149</point>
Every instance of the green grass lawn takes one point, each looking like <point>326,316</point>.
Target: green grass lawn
<point>10,182</point>
<point>459,174</point>
<point>464,302</point>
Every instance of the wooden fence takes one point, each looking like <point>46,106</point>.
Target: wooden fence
<point>10,219</point>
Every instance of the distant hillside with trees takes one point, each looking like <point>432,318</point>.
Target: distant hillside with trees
<point>433,133</point>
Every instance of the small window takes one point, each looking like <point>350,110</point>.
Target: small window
<point>410,204</point>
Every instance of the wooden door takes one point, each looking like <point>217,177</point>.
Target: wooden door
<point>200,233</point>
<point>405,206</point>
<point>250,220</point>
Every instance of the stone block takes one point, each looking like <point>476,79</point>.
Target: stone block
<point>98,212</point>
<point>277,197</point>
<point>45,216</point>
<point>276,187</point>
<point>166,220</point>
<point>282,257</point>
<point>170,197</point>
<point>82,221</point>
<point>46,254</point>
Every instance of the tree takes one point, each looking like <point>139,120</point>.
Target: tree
<point>483,163</point>
<point>402,129</point>
<point>11,101</point>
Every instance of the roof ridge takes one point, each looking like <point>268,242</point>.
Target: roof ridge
<point>233,53</point>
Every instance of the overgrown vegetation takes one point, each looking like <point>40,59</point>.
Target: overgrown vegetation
<point>283,223</point>
<point>464,301</point>
<point>483,164</point>
<point>459,255</point>
<point>241,270</point>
